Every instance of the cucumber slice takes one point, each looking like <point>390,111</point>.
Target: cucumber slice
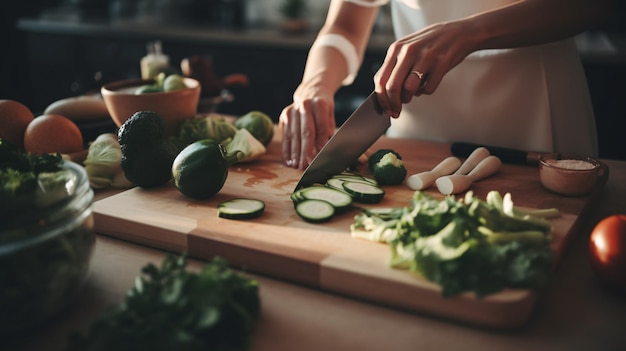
<point>364,192</point>
<point>296,196</point>
<point>339,199</point>
<point>240,208</point>
<point>335,183</point>
<point>355,176</point>
<point>315,210</point>
<point>355,179</point>
<point>385,213</point>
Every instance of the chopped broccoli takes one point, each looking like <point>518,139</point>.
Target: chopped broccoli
<point>376,156</point>
<point>390,170</point>
<point>45,163</point>
<point>19,169</point>
<point>14,183</point>
<point>12,157</point>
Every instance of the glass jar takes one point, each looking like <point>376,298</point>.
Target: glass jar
<point>46,245</point>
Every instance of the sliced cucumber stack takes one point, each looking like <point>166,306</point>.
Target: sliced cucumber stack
<point>339,192</point>
<point>349,176</point>
<point>340,200</point>
<point>240,208</point>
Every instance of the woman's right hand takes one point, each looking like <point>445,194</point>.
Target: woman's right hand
<point>309,121</point>
<point>306,126</point>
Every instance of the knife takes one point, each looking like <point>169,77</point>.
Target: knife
<point>507,155</point>
<point>366,124</point>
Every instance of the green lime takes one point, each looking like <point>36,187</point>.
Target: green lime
<point>200,169</point>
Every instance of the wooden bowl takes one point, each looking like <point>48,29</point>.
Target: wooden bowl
<point>173,106</point>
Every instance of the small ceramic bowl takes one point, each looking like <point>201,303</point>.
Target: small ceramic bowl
<point>569,174</point>
<point>173,106</point>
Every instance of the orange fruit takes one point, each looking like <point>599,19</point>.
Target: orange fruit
<point>50,133</point>
<point>14,118</point>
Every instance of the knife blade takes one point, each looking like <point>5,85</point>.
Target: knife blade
<point>507,155</point>
<point>364,126</point>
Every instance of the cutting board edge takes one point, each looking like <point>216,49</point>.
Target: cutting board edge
<point>118,228</point>
<point>506,310</point>
<point>248,259</point>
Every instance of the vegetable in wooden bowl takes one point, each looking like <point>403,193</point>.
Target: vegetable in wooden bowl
<point>123,99</point>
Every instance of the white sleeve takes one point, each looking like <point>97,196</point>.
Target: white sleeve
<point>346,48</point>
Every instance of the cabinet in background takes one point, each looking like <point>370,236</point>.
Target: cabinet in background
<point>64,59</point>
<point>76,59</point>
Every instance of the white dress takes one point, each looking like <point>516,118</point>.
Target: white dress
<point>533,98</point>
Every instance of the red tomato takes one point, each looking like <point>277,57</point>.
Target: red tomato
<point>607,249</point>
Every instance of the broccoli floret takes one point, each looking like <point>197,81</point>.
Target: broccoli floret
<point>45,163</point>
<point>12,157</point>
<point>19,169</point>
<point>376,156</point>
<point>14,183</point>
<point>390,170</point>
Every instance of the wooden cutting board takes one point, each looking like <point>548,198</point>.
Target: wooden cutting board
<point>325,256</point>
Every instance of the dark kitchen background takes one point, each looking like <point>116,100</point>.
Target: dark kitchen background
<point>54,49</point>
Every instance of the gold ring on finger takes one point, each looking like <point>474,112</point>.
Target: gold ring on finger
<point>419,74</point>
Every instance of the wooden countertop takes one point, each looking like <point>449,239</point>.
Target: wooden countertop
<point>576,313</point>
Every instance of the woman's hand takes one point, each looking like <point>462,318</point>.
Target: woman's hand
<point>309,121</point>
<point>416,64</point>
<point>306,126</point>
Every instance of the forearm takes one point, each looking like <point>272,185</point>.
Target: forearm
<point>324,71</point>
<point>534,22</point>
<point>327,66</point>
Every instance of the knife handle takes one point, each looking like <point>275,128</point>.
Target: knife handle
<point>508,155</point>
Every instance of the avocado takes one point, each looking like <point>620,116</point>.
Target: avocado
<point>201,168</point>
<point>147,156</point>
<point>142,127</point>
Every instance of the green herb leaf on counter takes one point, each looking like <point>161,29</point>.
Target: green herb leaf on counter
<point>172,308</point>
<point>466,244</point>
